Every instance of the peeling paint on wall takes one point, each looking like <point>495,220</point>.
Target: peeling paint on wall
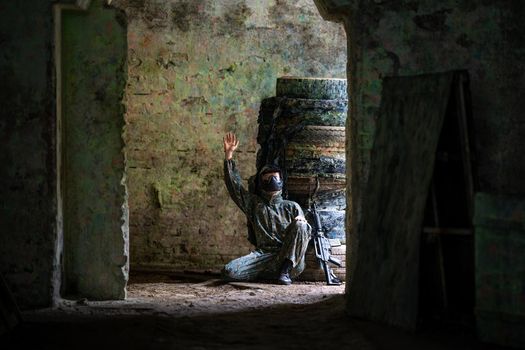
<point>198,69</point>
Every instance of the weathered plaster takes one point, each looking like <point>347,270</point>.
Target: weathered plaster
<point>196,70</point>
<point>500,241</point>
<point>93,78</point>
<point>398,38</point>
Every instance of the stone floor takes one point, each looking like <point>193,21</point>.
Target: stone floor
<point>174,312</point>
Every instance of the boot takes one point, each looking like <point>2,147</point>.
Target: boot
<point>284,276</point>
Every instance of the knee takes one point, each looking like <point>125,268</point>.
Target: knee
<point>228,273</point>
<point>233,271</point>
<point>301,227</point>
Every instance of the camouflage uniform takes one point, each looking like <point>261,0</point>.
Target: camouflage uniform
<point>277,236</point>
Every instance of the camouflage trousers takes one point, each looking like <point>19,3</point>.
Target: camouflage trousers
<point>266,263</point>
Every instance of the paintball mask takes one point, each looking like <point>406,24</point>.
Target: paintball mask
<point>272,183</point>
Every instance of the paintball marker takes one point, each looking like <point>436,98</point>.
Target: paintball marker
<point>323,249</point>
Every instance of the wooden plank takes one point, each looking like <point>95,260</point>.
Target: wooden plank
<point>435,212</point>
<point>249,285</point>
<point>211,283</point>
<point>465,141</point>
<point>384,284</point>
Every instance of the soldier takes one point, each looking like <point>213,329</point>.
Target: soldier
<point>279,230</point>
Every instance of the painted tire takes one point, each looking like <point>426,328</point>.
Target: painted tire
<point>303,129</point>
<point>312,88</point>
<point>299,110</point>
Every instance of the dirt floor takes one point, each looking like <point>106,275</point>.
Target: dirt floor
<point>181,311</point>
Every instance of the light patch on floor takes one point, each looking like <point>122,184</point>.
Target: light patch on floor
<point>190,295</point>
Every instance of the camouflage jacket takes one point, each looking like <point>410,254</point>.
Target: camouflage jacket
<point>268,216</point>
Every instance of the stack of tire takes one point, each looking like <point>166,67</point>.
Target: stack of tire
<point>302,130</point>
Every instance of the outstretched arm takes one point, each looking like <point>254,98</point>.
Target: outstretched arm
<point>232,177</point>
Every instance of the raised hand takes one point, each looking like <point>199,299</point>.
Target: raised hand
<point>230,145</point>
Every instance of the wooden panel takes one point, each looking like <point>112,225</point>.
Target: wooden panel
<point>384,286</point>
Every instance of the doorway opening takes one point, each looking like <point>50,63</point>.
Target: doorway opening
<point>191,72</point>
<point>196,71</point>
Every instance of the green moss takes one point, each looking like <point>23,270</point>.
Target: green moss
<point>232,54</point>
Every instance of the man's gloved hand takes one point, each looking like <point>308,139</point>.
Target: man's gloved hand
<point>230,145</point>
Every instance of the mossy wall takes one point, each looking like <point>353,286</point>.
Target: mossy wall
<point>401,38</point>
<point>94,52</point>
<point>484,37</point>
<point>500,242</point>
<point>198,69</point>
